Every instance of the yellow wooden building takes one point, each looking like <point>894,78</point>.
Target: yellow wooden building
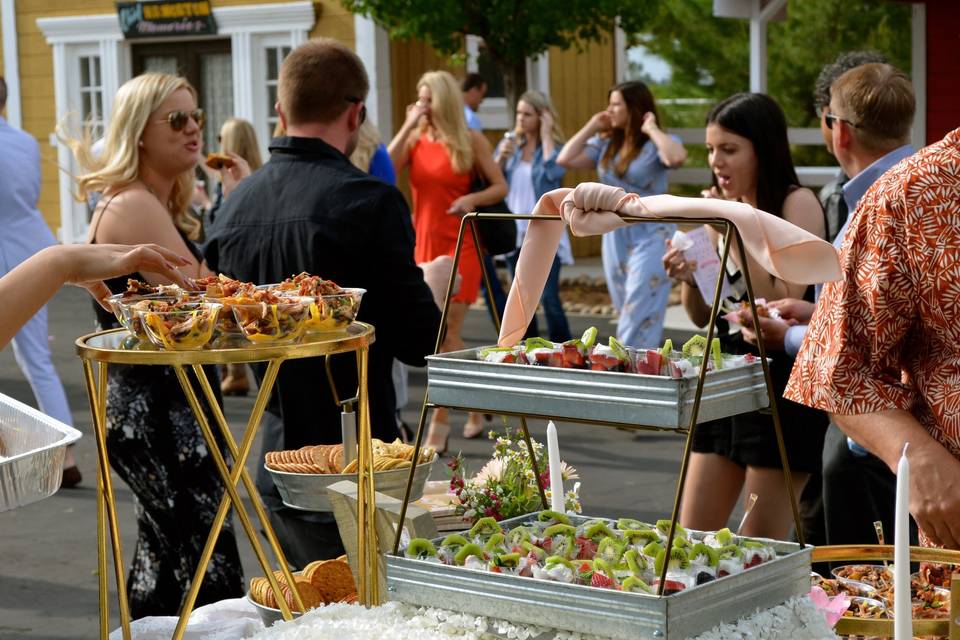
<point>65,59</point>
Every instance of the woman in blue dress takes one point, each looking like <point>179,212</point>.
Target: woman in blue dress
<point>629,150</point>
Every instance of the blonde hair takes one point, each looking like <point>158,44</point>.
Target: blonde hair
<point>879,100</point>
<point>541,103</point>
<point>446,116</point>
<point>237,136</point>
<point>118,165</point>
<point>366,146</point>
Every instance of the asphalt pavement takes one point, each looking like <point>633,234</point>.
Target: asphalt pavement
<point>48,550</point>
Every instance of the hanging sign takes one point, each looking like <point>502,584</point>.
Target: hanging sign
<point>166,18</point>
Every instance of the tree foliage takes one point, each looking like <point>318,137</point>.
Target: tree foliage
<point>512,30</point>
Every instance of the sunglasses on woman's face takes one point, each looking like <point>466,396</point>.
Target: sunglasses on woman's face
<point>178,119</point>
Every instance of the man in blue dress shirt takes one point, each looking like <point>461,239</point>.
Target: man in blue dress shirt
<point>866,127</point>
<point>24,234</point>
<point>474,89</point>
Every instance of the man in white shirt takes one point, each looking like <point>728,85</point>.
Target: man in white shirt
<point>474,89</point>
<point>24,234</point>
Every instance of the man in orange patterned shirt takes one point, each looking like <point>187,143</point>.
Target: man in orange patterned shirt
<point>882,354</point>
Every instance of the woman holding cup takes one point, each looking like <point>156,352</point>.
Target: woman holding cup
<point>528,157</point>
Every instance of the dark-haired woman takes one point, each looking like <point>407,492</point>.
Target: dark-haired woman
<point>630,151</point>
<point>750,161</point>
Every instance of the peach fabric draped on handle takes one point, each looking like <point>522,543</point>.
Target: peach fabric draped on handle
<point>783,249</point>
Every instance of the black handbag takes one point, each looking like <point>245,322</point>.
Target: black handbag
<point>496,236</point>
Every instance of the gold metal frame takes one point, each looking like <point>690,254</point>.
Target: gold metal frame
<point>730,234</point>
<point>884,627</point>
<point>356,338</point>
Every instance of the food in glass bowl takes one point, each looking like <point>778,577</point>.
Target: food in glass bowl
<point>865,608</point>
<point>305,284</point>
<point>179,326</point>
<point>272,319</point>
<point>875,575</point>
<point>334,312</point>
<point>125,306</point>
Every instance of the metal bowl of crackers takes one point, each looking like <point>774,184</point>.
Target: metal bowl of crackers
<point>321,582</point>
<point>303,475</point>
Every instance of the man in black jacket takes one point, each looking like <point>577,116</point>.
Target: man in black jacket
<point>309,209</point>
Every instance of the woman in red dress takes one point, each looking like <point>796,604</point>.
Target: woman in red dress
<point>443,157</point>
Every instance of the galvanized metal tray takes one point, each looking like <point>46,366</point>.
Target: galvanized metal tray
<point>615,614</point>
<point>458,379</point>
<point>32,446</point>
<point>308,491</point>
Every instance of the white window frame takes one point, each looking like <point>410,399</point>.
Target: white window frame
<point>98,119</point>
<point>262,111</point>
<point>494,112</point>
<point>246,26</point>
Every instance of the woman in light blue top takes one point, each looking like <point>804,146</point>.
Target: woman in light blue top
<point>630,151</point>
<point>528,157</point>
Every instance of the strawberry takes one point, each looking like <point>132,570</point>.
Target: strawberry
<point>601,581</point>
<point>588,549</point>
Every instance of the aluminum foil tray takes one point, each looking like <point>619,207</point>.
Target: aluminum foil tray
<point>614,614</point>
<point>458,379</point>
<point>32,446</point>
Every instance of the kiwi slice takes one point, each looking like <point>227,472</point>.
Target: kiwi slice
<point>695,347</point>
<point>652,549</point>
<point>495,541</point>
<point>716,354</point>
<point>635,562</point>
<point>509,560</point>
<point>454,540</point>
<point>641,536</point>
<point>617,348</point>
<point>420,548</point>
<point>529,547</point>
<point>598,530</point>
<point>731,551</point>
<point>518,535</point>
<point>700,549</point>
<point>536,343</point>
<point>667,348</point>
<point>663,526</point>
<point>589,338</point>
<point>609,549</point>
<point>485,527</point>
<point>558,560</point>
<point>629,523</point>
<point>724,536</point>
<point>552,516</point>
<point>678,559</point>
<point>634,584</point>
<point>467,551</point>
<point>559,529</point>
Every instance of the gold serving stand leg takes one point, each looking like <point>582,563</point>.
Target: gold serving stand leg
<point>106,503</point>
<point>230,481</point>
<point>368,587</point>
<point>225,473</point>
<point>248,485</point>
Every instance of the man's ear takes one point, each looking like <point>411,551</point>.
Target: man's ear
<point>353,116</point>
<point>281,114</point>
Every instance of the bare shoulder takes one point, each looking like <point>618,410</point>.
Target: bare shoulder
<point>127,213</point>
<point>802,208</point>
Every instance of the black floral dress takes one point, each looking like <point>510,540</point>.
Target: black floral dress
<point>157,448</point>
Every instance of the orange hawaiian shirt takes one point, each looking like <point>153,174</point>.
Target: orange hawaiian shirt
<point>888,335</point>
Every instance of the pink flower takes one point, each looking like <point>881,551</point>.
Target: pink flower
<point>831,608</point>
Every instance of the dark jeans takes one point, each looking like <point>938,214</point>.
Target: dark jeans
<point>857,491</point>
<point>557,325</point>
<point>499,297</point>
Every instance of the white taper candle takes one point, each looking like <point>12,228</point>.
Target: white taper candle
<point>556,478</point>
<point>902,609</point>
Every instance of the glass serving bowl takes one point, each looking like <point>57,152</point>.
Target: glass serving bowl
<point>125,306</point>
<point>187,327</point>
<point>272,323</point>
<point>334,312</point>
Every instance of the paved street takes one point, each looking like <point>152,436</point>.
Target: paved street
<point>48,584</point>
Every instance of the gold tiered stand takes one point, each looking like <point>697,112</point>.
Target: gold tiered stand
<point>883,628</point>
<point>98,350</point>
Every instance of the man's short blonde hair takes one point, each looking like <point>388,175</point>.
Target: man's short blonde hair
<point>319,80</point>
<point>879,100</point>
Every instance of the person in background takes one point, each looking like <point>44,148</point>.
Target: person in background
<point>25,233</point>
<point>238,139</point>
<point>866,126</point>
<point>443,156</point>
<point>474,89</point>
<point>331,219</point>
<point>146,175</point>
<point>628,149</point>
<point>831,194</point>
<point>529,162</point>
<point>749,157</point>
<point>371,155</point>
<point>35,280</point>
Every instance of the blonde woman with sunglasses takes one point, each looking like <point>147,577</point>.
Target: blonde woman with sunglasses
<point>145,173</point>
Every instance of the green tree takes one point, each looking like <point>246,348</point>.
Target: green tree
<point>512,30</point>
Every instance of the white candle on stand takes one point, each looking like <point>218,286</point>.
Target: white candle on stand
<point>556,478</point>
<point>902,609</point>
